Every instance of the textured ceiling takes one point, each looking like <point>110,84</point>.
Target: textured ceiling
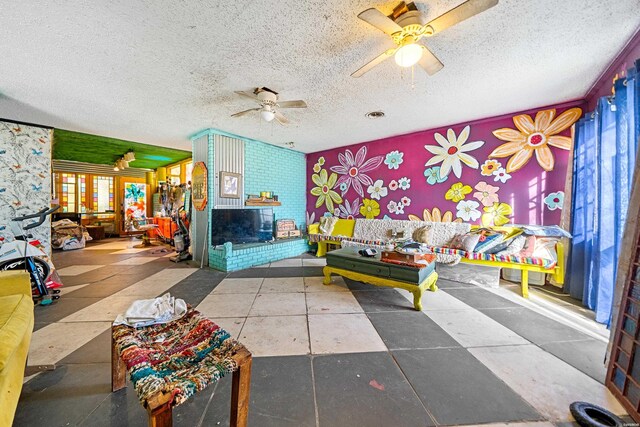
<point>80,147</point>
<point>159,71</point>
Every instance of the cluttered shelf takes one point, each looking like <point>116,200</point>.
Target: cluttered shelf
<point>262,203</point>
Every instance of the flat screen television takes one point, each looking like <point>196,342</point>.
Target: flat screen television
<point>241,225</point>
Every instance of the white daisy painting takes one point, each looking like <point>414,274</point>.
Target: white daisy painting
<point>453,151</point>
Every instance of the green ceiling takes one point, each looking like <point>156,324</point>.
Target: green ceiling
<point>82,147</point>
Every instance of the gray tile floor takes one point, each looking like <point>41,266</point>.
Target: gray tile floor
<point>351,354</point>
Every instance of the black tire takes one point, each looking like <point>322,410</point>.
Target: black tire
<point>589,415</point>
<point>18,264</point>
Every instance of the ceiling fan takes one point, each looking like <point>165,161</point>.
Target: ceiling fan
<point>269,104</point>
<point>406,27</point>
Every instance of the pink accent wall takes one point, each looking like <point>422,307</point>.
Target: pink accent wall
<point>524,192</point>
<point>623,61</point>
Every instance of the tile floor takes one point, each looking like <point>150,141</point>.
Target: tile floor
<point>347,354</point>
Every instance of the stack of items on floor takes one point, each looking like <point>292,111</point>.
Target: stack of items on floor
<point>67,235</point>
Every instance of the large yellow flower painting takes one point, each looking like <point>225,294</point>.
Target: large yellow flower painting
<point>535,136</point>
<point>326,196</point>
<point>435,215</point>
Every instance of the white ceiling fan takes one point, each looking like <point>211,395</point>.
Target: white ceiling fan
<point>269,105</point>
<point>406,26</point>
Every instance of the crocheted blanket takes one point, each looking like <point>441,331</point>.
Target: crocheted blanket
<point>180,357</point>
<point>515,259</point>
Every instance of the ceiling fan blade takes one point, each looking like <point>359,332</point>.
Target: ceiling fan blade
<point>458,14</point>
<point>292,104</point>
<point>369,65</point>
<point>248,95</point>
<point>280,118</point>
<point>242,113</point>
<point>429,62</point>
<point>380,21</point>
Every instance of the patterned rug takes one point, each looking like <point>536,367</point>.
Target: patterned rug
<point>180,357</point>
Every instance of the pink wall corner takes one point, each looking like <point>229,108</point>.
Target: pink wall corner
<point>524,192</point>
<point>619,66</point>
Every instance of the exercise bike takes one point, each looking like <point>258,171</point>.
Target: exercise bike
<point>25,254</point>
<point>181,239</point>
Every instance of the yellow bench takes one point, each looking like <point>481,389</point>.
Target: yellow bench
<point>345,227</point>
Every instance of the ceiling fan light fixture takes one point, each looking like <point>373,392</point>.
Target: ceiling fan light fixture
<point>267,115</point>
<point>408,55</point>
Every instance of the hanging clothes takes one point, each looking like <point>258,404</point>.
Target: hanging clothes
<point>606,142</point>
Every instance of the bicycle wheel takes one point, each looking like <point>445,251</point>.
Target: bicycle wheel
<point>18,264</point>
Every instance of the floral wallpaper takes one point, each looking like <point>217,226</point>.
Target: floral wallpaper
<point>507,169</point>
<point>25,177</point>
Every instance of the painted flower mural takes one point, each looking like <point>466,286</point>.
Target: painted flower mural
<point>311,218</point>
<point>404,183</point>
<point>452,152</point>
<point>489,167</point>
<point>457,192</point>
<point>349,210</point>
<point>496,214</point>
<point>370,208</point>
<point>433,176</point>
<point>487,194</point>
<point>394,159</point>
<point>353,169</point>
<point>434,215</point>
<point>389,170</point>
<point>554,200</point>
<point>323,189</point>
<point>501,175</point>
<point>468,210</point>
<point>377,190</point>
<point>535,136</point>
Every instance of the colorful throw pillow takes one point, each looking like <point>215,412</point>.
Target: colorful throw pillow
<point>327,223</point>
<point>529,245</point>
<point>487,239</point>
<point>545,231</point>
<point>509,236</point>
<point>466,241</point>
<point>422,234</point>
<point>545,248</point>
<point>515,245</point>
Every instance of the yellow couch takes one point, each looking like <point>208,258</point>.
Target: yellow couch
<point>343,227</point>
<point>16,327</point>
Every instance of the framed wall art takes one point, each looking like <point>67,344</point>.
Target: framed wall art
<point>230,185</point>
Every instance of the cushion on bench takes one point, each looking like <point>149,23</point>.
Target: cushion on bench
<point>180,357</point>
<point>516,259</point>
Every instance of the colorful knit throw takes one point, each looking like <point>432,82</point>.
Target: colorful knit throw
<point>180,357</point>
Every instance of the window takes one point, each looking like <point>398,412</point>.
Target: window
<point>188,169</point>
<point>174,175</point>
<point>103,194</point>
<point>68,192</point>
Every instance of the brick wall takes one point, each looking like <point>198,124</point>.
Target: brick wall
<point>238,257</point>
<point>280,170</point>
<point>266,168</point>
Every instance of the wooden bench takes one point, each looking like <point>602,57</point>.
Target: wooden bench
<point>159,406</point>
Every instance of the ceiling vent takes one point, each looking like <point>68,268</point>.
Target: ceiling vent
<point>375,114</point>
